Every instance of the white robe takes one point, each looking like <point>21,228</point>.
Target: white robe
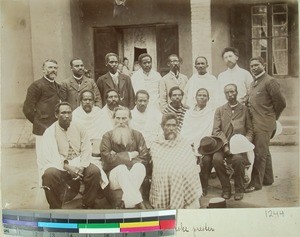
<point>148,123</point>
<point>197,124</point>
<point>207,81</point>
<point>150,83</point>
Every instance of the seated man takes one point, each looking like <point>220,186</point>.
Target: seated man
<point>175,178</point>
<point>231,118</point>
<point>66,156</point>
<point>145,119</point>
<point>176,106</point>
<point>125,155</point>
<point>112,98</point>
<point>89,116</point>
<point>198,121</point>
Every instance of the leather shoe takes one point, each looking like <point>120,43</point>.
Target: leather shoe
<point>238,196</point>
<point>141,205</point>
<point>226,194</point>
<point>250,189</point>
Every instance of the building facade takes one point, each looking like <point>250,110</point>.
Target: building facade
<point>62,29</point>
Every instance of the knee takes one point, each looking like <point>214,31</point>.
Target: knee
<point>218,159</point>
<point>206,161</point>
<point>50,174</point>
<point>92,170</point>
<point>140,167</point>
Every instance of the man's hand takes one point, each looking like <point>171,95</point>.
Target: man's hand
<point>134,154</point>
<point>75,172</point>
<point>226,150</point>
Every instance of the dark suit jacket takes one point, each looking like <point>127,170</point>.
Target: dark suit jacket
<point>226,123</point>
<point>39,105</point>
<point>266,103</point>
<point>125,89</point>
<point>120,156</point>
<point>71,90</point>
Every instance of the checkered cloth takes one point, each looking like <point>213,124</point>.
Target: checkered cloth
<point>175,178</point>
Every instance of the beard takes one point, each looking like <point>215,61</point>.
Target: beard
<point>170,135</point>
<point>122,135</point>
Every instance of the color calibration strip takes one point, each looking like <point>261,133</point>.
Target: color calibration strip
<point>18,222</point>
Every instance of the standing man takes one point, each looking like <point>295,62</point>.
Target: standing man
<point>72,87</point>
<point>266,103</point>
<point>231,118</point>
<point>173,78</point>
<point>66,155</point>
<point>202,79</point>
<point>144,119</point>
<point>117,81</point>
<point>125,155</point>
<point>41,99</point>
<point>234,74</point>
<point>176,106</point>
<point>147,79</point>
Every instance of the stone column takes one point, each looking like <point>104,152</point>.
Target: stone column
<point>51,35</point>
<point>201,30</point>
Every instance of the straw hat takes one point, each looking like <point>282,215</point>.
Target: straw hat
<point>217,202</point>
<point>209,145</point>
<point>240,144</point>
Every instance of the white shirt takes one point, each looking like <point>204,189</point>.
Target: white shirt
<point>150,83</point>
<point>207,81</point>
<point>239,76</point>
<point>148,123</point>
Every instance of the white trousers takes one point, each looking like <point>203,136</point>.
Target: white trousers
<point>129,181</point>
<point>38,151</point>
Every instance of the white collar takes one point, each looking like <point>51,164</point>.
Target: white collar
<point>52,81</point>
<point>259,75</point>
<point>77,78</point>
<point>114,75</point>
<point>236,67</point>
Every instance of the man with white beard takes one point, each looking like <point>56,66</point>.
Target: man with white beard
<point>125,156</point>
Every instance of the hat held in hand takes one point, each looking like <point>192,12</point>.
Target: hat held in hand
<point>240,144</point>
<point>209,145</point>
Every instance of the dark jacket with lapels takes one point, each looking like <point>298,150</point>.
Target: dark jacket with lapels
<point>39,106</point>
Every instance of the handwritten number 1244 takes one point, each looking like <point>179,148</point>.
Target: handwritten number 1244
<point>274,213</point>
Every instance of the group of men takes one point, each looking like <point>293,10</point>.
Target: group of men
<point>108,131</point>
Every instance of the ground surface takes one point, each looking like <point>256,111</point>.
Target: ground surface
<point>20,183</point>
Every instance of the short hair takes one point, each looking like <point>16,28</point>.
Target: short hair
<point>167,117</point>
<point>230,49</point>
<point>72,60</point>
<point>141,92</point>
<point>109,90</point>
<point>143,55</point>
<point>49,60</point>
<point>121,108</point>
<point>258,58</point>
<point>203,58</point>
<point>231,84</point>
<point>84,91</point>
<point>173,55</point>
<point>57,107</point>
<point>174,88</point>
<point>109,55</point>
<point>202,89</point>
<point>125,59</point>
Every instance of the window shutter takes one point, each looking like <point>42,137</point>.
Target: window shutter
<point>240,32</point>
<point>166,44</point>
<point>105,41</point>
